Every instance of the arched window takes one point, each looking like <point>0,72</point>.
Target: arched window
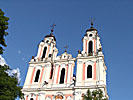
<point>37,76</point>
<point>51,73</point>
<point>44,52</point>
<point>89,71</point>
<point>62,76</point>
<point>90,47</point>
<point>50,55</point>
<point>31,99</point>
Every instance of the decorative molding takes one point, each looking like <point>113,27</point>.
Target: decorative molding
<point>89,62</point>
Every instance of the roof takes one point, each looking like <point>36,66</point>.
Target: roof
<point>50,35</point>
<point>91,29</point>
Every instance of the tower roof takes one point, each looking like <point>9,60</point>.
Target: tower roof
<point>50,35</point>
<point>91,28</point>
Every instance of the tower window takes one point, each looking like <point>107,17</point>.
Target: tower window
<point>37,76</point>
<point>51,73</point>
<point>89,71</point>
<point>50,55</point>
<point>62,76</point>
<point>90,47</point>
<point>47,41</point>
<point>31,99</point>
<point>90,35</point>
<point>44,52</point>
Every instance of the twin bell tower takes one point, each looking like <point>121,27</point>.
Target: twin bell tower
<point>50,76</point>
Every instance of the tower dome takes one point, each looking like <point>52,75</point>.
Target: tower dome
<point>91,28</point>
<point>50,35</point>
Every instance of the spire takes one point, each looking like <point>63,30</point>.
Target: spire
<point>51,34</point>
<point>52,27</point>
<point>52,30</point>
<point>91,28</point>
<point>92,22</point>
<point>66,47</point>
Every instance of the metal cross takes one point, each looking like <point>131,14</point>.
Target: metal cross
<point>66,47</point>
<point>53,26</point>
<point>92,21</point>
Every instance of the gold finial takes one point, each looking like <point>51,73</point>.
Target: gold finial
<point>52,29</point>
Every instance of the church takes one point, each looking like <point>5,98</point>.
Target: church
<point>51,76</point>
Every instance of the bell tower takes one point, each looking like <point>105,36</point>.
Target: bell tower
<point>42,63</point>
<point>91,68</point>
<point>47,48</point>
<point>49,76</point>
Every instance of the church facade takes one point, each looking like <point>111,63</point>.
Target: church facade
<point>51,77</point>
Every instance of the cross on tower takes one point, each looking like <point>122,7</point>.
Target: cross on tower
<point>92,21</point>
<point>53,25</point>
<point>66,47</point>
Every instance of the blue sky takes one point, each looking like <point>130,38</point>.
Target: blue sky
<point>30,21</point>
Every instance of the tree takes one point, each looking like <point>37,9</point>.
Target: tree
<point>94,95</point>
<point>9,85</point>
<point>3,28</point>
<point>88,96</point>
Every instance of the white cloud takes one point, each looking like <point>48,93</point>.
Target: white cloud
<point>10,72</point>
<point>2,61</point>
<point>14,71</point>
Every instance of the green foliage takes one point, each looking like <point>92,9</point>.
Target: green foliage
<point>3,28</point>
<point>94,95</point>
<point>88,96</point>
<point>9,89</point>
<point>9,86</point>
